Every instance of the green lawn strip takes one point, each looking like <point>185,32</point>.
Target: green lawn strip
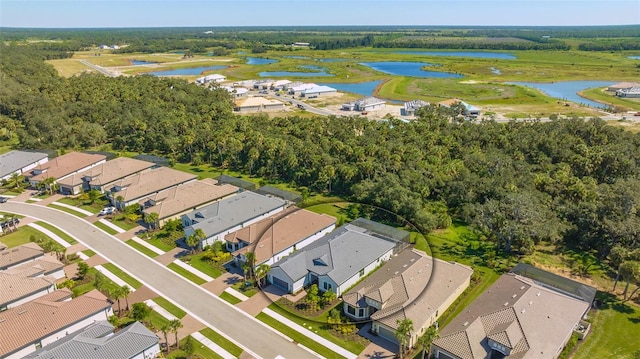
<point>229,298</point>
<point>9,215</point>
<point>89,253</point>
<point>159,244</point>
<point>21,236</point>
<point>122,275</point>
<point>199,351</point>
<point>183,272</point>
<point>298,337</point>
<point>318,326</point>
<point>196,262</point>
<point>31,201</point>
<point>94,207</point>
<point>105,228</point>
<point>157,320</point>
<point>107,286</point>
<point>614,331</point>
<point>68,210</point>
<point>146,251</point>
<point>124,224</point>
<point>249,291</point>
<point>223,342</point>
<point>170,307</point>
<point>67,238</point>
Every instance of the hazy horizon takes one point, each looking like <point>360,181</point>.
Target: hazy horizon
<point>92,14</point>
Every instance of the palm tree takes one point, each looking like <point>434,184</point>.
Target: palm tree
<point>50,184</point>
<point>192,242</point>
<point>427,338</point>
<point>116,293</point>
<point>15,178</point>
<point>261,273</point>
<point>151,220</point>
<point>119,200</point>
<point>174,326</point>
<point>125,290</point>
<point>403,332</point>
<point>166,328</point>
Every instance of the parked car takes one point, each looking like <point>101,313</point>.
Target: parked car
<point>3,199</point>
<point>107,210</point>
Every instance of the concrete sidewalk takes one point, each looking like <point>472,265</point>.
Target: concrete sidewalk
<point>211,345</point>
<point>52,235</point>
<point>77,209</point>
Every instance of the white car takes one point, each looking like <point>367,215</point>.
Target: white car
<point>107,210</point>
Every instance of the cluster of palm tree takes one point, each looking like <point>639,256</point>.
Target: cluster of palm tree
<point>118,293</point>
<point>250,270</point>
<point>173,326</point>
<point>404,332</point>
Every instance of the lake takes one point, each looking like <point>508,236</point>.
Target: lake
<point>635,57</point>
<point>259,61</point>
<point>568,90</point>
<point>412,69</point>
<point>471,54</point>
<point>139,62</point>
<point>331,60</point>
<point>317,72</point>
<point>359,88</point>
<point>296,57</point>
<point>186,71</point>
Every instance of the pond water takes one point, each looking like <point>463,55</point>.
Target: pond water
<point>359,88</point>
<point>312,67</point>
<point>568,90</point>
<point>412,69</point>
<point>187,71</point>
<point>296,57</point>
<point>635,57</point>
<point>332,60</point>
<point>471,54</point>
<point>139,62</point>
<point>259,61</point>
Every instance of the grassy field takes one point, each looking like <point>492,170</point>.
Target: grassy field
<point>623,104</point>
<point>185,273</point>
<point>196,262</point>
<point>225,343</point>
<point>170,307</point>
<point>157,320</point>
<point>122,275</point>
<point>67,238</point>
<point>21,236</point>
<point>146,251</point>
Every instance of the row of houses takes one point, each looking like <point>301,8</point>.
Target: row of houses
<point>626,89</point>
<point>37,320</point>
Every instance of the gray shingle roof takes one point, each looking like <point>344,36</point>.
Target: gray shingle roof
<point>97,342</point>
<point>13,161</point>
<point>339,255</point>
<point>230,212</point>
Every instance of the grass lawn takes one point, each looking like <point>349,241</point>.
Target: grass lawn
<point>199,351</point>
<point>67,238</point>
<point>148,252</point>
<point>319,326</point>
<point>94,207</point>
<point>163,239</point>
<point>196,262</point>
<point>31,201</point>
<point>183,272</point>
<point>222,341</point>
<point>298,337</point>
<point>105,228</point>
<point>614,331</point>
<point>122,275</point>
<point>249,291</point>
<point>170,307</point>
<point>8,215</point>
<point>124,223</point>
<point>68,210</point>
<point>157,320</point>
<point>21,236</point>
<point>89,252</point>
<point>229,298</point>
<point>89,284</point>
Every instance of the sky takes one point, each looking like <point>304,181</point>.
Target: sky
<point>213,13</point>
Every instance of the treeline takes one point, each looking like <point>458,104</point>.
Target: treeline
<point>621,45</point>
<point>422,43</point>
<point>571,181</point>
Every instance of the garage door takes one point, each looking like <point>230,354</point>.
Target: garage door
<point>387,334</point>
<point>280,283</point>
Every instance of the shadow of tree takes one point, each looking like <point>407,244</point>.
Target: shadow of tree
<point>606,300</point>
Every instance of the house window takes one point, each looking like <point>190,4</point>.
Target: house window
<point>362,272</point>
<point>38,345</point>
<point>326,286</point>
<point>351,310</point>
<point>361,312</point>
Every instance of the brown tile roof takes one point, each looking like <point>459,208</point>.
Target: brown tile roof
<point>187,196</point>
<point>25,324</point>
<point>272,235</point>
<point>109,171</point>
<point>14,286</point>
<point>149,181</point>
<point>13,256</point>
<point>66,164</point>
<point>414,285</point>
<point>42,266</point>
<point>516,312</point>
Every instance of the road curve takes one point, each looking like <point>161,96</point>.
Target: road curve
<point>211,310</point>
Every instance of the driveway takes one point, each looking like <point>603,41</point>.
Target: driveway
<point>244,330</point>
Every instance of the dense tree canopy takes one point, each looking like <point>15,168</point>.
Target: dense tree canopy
<point>569,181</point>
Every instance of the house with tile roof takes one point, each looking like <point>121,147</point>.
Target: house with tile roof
<point>131,189</point>
<point>275,237</point>
<point>335,262</point>
<point>181,199</point>
<point>20,162</point>
<point>103,176</point>
<point>516,317</point>
<point>99,341</point>
<point>229,215</point>
<point>19,288</point>
<point>64,166</point>
<point>46,265</point>
<point>257,104</point>
<point>16,256</point>
<point>35,324</point>
<point>411,285</point>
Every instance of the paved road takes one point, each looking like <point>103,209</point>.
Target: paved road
<point>99,69</point>
<point>214,312</point>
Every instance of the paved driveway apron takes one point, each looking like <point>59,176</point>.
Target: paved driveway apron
<point>243,329</point>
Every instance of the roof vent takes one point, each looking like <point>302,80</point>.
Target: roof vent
<point>513,296</point>
<point>465,324</point>
<point>506,303</point>
<point>521,288</point>
<point>537,295</point>
<point>530,302</point>
<point>522,311</point>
